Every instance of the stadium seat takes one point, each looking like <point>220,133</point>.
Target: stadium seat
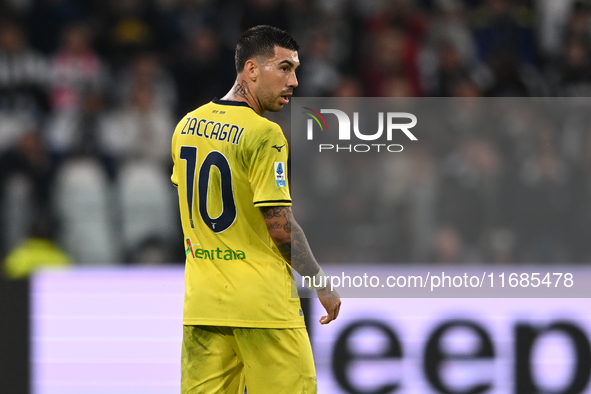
<point>17,209</point>
<point>148,205</point>
<point>84,200</point>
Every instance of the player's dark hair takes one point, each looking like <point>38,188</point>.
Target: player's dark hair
<point>261,41</point>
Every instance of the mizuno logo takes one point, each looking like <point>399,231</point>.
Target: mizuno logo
<point>278,147</point>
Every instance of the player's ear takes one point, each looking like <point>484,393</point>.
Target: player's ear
<point>251,69</point>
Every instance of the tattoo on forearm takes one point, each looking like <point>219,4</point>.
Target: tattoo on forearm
<point>297,252</point>
<point>302,259</point>
<point>274,212</point>
<point>274,226</point>
<point>283,216</point>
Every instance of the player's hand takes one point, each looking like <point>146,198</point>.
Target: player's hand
<point>331,301</point>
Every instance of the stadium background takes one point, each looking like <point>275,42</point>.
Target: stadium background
<point>90,92</point>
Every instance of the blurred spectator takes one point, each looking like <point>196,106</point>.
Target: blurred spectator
<point>396,33</point>
<point>131,26</point>
<point>76,69</point>
<point>147,69</point>
<point>471,193</point>
<point>504,27</point>
<point>504,40</point>
<point>36,252</point>
<point>449,56</point>
<point>320,76</point>
<point>24,166</point>
<point>404,202</point>
<point>349,86</point>
<point>551,23</point>
<point>392,55</point>
<point>452,28</point>
<point>545,189</point>
<point>28,156</point>
<point>264,12</point>
<point>398,86</point>
<point>25,182</point>
<point>465,88</point>
<point>339,24</point>
<point>452,70</point>
<point>448,246</point>
<point>578,26</point>
<point>76,133</point>
<point>204,70</point>
<point>509,79</point>
<point>185,17</point>
<point>47,19</point>
<point>141,130</point>
<point>575,80</point>
<point>23,74</point>
<point>400,14</point>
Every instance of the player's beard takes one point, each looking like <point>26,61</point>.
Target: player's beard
<point>270,101</point>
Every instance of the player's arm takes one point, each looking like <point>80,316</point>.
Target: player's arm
<point>293,245</point>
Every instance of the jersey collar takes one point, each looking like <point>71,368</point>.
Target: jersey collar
<point>231,102</point>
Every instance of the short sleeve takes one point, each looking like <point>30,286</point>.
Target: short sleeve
<point>268,169</point>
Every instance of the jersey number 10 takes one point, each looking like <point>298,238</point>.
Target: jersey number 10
<point>214,158</point>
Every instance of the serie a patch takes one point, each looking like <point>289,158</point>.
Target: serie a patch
<point>280,173</point>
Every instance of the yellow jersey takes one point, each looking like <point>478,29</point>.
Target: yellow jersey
<point>228,163</point>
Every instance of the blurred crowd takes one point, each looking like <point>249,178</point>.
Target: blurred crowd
<point>90,92</point>
<point>489,180</point>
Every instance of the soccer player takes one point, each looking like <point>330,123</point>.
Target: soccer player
<point>242,327</point>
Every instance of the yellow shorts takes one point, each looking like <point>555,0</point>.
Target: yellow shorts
<point>225,360</point>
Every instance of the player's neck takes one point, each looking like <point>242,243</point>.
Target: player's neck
<point>241,91</point>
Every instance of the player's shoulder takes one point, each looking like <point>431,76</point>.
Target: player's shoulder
<point>263,132</point>
<point>272,126</point>
<point>269,127</point>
